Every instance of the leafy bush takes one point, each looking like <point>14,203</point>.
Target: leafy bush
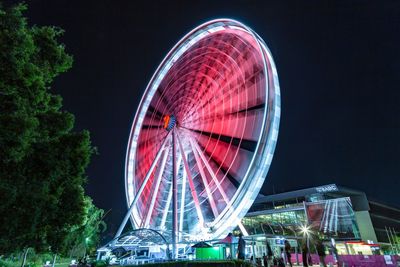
<point>7,263</point>
<point>100,263</point>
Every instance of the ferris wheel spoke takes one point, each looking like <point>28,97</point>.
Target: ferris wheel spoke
<point>205,182</point>
<point>220,160</point>
<point>255,101</point>
<point>234,181</point>
<point>166,208</point>
<point>246,144</point>
<point>210,171</point>
<point>160,173</point>
<point>144,127</point>
<point>152,111</point>
<point>143,185</point>
<point>256,107</point>
<point>191,184</point>
<point>148,152</point>
<point>224,166</point>
<point>162,98</point>
<point>225,114</point>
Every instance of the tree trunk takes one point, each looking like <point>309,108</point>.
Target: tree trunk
<point>24,257</point>
<point>54,259</point>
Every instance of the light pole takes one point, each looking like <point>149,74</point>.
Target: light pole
<point>305,229</point>
<point>87,239</point>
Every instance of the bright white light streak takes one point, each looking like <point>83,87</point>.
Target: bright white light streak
<point>210,170</point>
<point>191,184</point>
<point>160,172</point>
<point>183,193</point>
<point>242,229</point>
<point>169,200</point>
<point>204,179</point>
<point>166,208</point>
<point>145,180</point>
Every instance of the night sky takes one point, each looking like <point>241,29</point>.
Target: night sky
<point>339,70</point>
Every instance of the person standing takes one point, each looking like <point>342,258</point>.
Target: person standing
<point>334,253</point>
<point>321,253</point>
<point>270,254</point>
<point>265,260</point>
<point>241,247</point>
<point>288,253</point>
<point>304,254</point>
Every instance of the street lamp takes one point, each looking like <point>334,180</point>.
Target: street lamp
<point>87,239</point>
<point>306,231</point>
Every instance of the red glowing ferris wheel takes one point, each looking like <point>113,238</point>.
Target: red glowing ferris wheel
<point>204,134</point>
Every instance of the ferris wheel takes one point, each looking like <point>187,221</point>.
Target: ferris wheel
<point>204,134</point>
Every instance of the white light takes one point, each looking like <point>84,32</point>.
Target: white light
<point>305,229</point>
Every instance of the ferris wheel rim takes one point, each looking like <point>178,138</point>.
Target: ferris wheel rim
<point>158,76</point>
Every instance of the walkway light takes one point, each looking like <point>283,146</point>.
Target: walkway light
<point>305,229</point>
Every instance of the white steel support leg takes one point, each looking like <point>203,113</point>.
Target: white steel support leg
<point>205,182</point>
<point>191,184</point>
<point>242,229</point>
<point>160,172</point>
<point>166,208</point>
<point>181,215</point>
<point>146,179</point>
<point>174,197</point>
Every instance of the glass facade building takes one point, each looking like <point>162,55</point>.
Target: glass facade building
<point>340,216</point>
<point>331,218</point>
<point>331,211</point>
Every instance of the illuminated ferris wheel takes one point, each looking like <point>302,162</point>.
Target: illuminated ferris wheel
<point>204,134</point>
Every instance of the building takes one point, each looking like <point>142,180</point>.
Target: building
<point>342,217</point>
<point>386,221</point>
<point>335,213</point>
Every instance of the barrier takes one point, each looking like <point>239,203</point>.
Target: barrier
<point>357,260</point>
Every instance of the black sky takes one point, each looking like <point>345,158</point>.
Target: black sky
<point>339,70</point>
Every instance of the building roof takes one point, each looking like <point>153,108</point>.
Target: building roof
<point>358,198</point>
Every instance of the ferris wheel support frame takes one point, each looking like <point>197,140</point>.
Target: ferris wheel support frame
<point>191,184</point>
<point>203,163</point>
<point>138,194</point>
<point>158,182</point>
<point>174,195</point>
<point>162,150</point>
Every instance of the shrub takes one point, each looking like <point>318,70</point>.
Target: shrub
<point>7,263</point>
<point>100,263</point>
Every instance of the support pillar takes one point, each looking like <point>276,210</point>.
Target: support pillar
<point>136,198</point>
<point>174,196</point>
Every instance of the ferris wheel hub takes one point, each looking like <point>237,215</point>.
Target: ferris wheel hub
<point>169,122</point>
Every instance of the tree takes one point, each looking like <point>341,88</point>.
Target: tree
<point>84,239</point>
<point>42,159</point>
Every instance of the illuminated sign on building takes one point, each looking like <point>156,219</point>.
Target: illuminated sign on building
<point>327,188</point>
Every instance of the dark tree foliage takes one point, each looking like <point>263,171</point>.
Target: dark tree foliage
<point>84,239</point>
<point>42,160</point>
